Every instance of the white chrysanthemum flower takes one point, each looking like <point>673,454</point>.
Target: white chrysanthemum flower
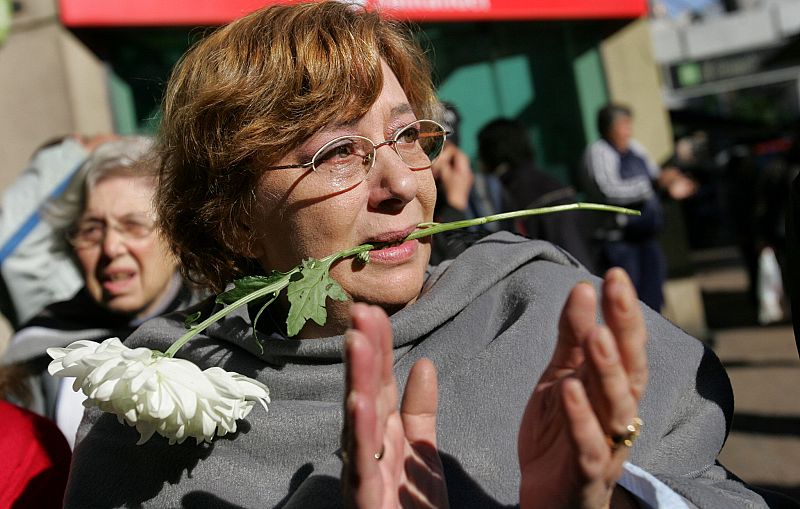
<point>155,393</point>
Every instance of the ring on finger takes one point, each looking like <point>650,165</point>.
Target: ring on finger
<point>633,430</point>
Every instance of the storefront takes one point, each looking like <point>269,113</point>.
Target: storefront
<point>536,60</point>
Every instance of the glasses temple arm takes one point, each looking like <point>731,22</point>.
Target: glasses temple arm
<point>290,166</point>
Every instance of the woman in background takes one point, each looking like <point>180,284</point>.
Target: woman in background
<point>107,222</point>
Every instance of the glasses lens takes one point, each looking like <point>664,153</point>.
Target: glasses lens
<point>91,233</point>
<point>86,234</point>
<point>136,228</point>
<point>420,143</point>
<point>345,161</point>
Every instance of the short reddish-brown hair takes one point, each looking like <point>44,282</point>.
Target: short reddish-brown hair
<point>251,92</point>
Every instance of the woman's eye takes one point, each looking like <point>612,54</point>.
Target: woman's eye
<point>409,135</point>
<point>89,230</point>
<point>134,229</point>
<point>336,154</point>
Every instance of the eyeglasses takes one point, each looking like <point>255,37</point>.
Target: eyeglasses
<point>346,160</point>
<point>91,232</point>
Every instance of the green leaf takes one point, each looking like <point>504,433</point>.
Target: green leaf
<point>307,292</point>
<point>247,285</point>
<point>191,319</point>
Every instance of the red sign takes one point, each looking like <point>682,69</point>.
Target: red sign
<point>118,13</point>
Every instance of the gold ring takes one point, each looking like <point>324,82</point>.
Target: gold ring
<point>626,439</point>
<point>378,455</point>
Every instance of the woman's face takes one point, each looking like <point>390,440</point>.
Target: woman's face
<point>129,270</point>
<point>301,214</point>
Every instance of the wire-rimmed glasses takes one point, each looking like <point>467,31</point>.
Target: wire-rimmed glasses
<point>346,160</point>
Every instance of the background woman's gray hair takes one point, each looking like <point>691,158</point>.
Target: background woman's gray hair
<point>127,156</point>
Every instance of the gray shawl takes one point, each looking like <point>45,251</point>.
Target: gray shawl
<point>488,321</point>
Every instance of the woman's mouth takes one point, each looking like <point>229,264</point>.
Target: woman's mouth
<point>392,246</point>
<point>394,253</point>
<point>117,282</point>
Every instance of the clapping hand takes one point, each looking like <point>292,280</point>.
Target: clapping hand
<point>576,430</point>
<point>572,438</point>
<point>390,458</point>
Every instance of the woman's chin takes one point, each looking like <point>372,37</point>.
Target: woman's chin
<point>391,288</point>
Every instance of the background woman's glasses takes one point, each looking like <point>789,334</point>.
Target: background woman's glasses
<point>89,233</point>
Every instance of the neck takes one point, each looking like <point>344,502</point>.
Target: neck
<point>160,304</point>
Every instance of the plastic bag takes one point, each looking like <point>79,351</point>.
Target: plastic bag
<point>770,288</point>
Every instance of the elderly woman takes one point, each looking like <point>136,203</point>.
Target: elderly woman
<point>108,224</point>
<point>299,131</point>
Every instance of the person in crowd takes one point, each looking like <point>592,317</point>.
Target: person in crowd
<point>505,151</point>
<point>298,131</point>
<point>454,179</point>
<point>108,226</point>
<point>33,274</point>
<point>618,171</point>
<point>34,455</point>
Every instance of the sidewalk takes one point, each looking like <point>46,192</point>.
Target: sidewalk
<point>763,364</point>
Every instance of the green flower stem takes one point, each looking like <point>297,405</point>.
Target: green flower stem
<point>425,230</point>
<point>466,223</point>
<point>200,327</point>
<point>261,292</point>
<point>349,252</point>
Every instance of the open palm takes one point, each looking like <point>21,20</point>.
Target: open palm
<point>590,391</point>
<point>390,455</point>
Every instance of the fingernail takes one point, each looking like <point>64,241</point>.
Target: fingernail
<point>619,290</point>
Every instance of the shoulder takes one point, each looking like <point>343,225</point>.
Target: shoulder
<point>598,155</point>
<point>35,453</point>
<point>600,147</point>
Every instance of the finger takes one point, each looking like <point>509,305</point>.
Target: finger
<point>374,324</point>
<point>600,467</point>
<point>420,403</point>
<point>418,413</point>
<point>362,375</point>
<point>623,315</point>
<point>363,481</point>
<point>577,320</point>
<point>607,383</point>
<point>585,430</point>
<point>384,330</point>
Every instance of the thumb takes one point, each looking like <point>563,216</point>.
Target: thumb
<point>420,403</point>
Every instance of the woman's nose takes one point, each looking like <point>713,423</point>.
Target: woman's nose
<point>113,243</point>
<point>392,184</point>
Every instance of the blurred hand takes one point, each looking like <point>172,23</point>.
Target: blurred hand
<point>677,185</point>
<point>389,457</point>
<point>92,142</point>
<point>590,391</point>
<point>452,171</point>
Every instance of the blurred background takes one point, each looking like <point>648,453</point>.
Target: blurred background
<point>714,86</point>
